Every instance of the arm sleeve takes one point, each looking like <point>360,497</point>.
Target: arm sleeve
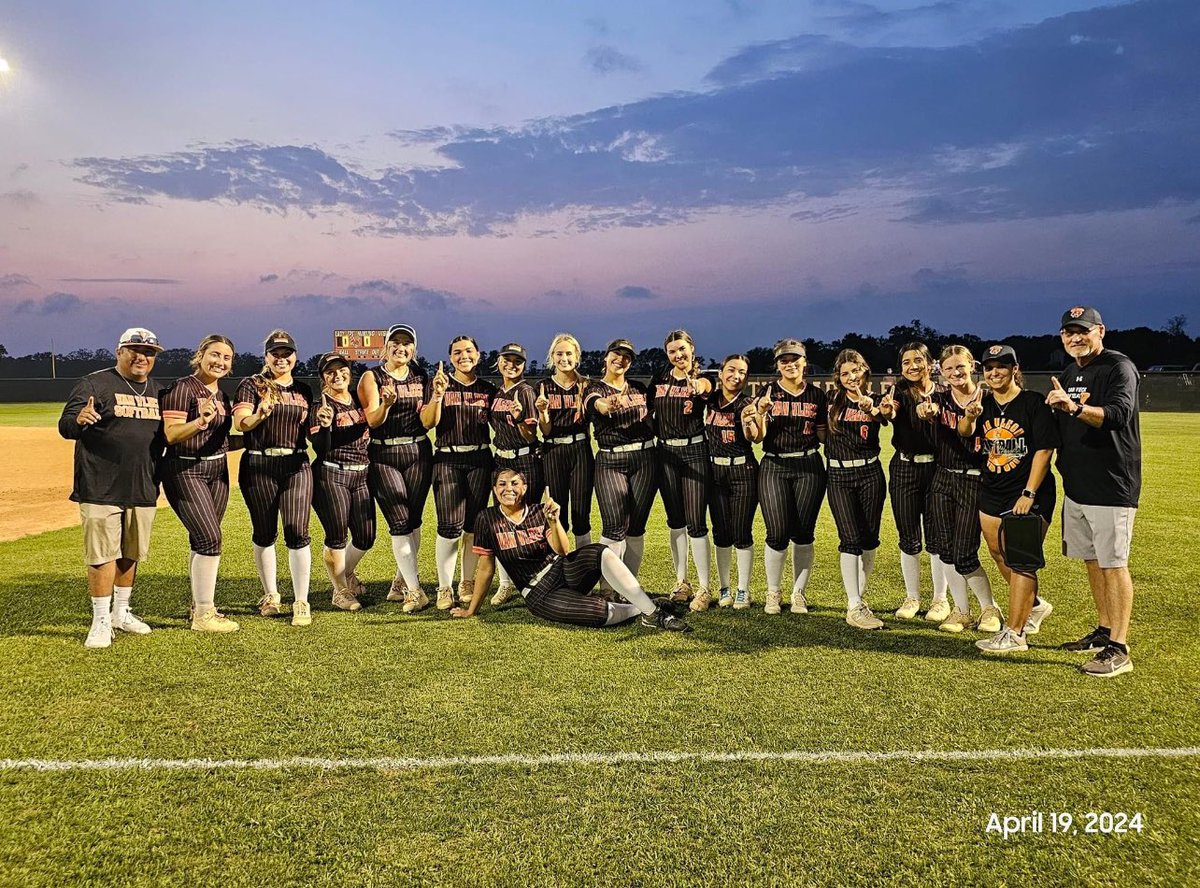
<point>823,410</point>
<point>246,395</point>
<point>590,396</point>
<point>1120,399</point>
<point>173,402</point>
<point>321,437</point>
<point>67,426</point>
<point>1045,426</point>
<point>483,543</point>
<point>528,401</point>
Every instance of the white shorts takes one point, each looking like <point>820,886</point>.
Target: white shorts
<point>1097,533</point>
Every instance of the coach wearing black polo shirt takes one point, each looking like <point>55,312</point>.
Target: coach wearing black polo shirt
<point>1100,460</point>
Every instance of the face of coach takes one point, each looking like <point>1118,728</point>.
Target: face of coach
<point>1082,343</point>
<point>135,362</point>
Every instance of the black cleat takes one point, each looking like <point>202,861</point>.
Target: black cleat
<point>670,606</point>
<point>660,619</point>
<point>1090,643</point>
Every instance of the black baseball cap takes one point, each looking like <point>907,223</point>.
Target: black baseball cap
<point>281,340</point>
<point>401,328</point>
<point>1001,354</point>
<point>1081,316</point>
<point>514,350</point>
<point>330,358</point>
<point>786,347</point>
<point>622,346</point>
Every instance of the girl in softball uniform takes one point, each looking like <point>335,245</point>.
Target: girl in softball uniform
<point>1019,435</point>
<point>856,484</point>
<point>567,459</point>
<point>271,411</point>
<point>338,428</point>
<point>910,475</point>
<point>197,417</point>
<point>393,396</point>
<point>626,470</point>
<point>678,396</point>
<point>731,424</point>
<point>459,408</point>
<point>954,494</point>
<point>792,478</point>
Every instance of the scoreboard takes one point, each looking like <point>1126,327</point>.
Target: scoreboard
<point>359,345</point>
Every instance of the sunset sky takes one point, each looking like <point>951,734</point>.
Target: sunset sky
<point>746,169</point>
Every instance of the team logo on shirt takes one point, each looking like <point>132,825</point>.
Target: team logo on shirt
<point>522,536</point>
<point>1006,444</point>
<point>136,407</point>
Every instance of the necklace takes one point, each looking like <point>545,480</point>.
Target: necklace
<point>142,393</point>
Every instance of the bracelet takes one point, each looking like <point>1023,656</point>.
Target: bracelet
<point>1079,410</point>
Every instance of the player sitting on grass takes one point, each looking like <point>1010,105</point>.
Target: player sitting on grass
<point>556,582</point>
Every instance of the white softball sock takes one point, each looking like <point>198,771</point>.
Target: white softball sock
<point>981,586</point>
<point>941,576</point>
<point>910,568</point>
<point>505,579</point>
<point>264,561</point>
<point>583,539</point>
<point>624,583</point>
<point>868,565</point>
<point>702,555</point>
<point>203,570</point>
<point>300,567</point>
<point>469,558</point>
<point>958,589</point>
<point>101,608</point>
<point>679,548</point>
<point>773,564</point>
<point>745,562</point>
<point>635,547</point>
<point>724,560</point>
<point>405,553</point>
<point>852,579</point>
<point>802,562</point>
<point>446,554</point>
<point>353,556</point>
<point>618,548</point>
<point>120,604</point>
<point>620,612</point>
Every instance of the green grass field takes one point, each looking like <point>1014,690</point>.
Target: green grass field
<point>382,684</point>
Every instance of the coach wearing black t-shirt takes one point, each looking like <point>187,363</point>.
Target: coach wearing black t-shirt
<point>1100,460</point>
<point>113,417</point>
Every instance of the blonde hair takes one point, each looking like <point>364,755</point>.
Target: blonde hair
<point>570,340</point>
<point>210,339</point>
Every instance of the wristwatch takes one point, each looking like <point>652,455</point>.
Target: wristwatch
<point>1078,410</point>
<point>1029,493</point>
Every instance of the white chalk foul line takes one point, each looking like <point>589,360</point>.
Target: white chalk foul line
<point>394,763</point>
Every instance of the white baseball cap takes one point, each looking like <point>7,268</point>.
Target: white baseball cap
<point>139,336</point>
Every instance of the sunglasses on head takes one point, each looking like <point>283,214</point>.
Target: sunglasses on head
<point>141,339</point>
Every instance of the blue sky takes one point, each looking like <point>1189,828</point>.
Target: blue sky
<point>744,169</point>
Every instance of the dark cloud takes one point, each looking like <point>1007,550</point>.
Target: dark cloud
<point>634,292</point>
<point>78,280</point>
<point>379,294</point>
<point>22,198</point>
<point>320,302</point>
<point>51,304</point>
<point>17,170</point>
<point>385,288</point>
<point>604,59</point>
<point>268,278</point>
<point>1089,112</point>
<point>12,281</point>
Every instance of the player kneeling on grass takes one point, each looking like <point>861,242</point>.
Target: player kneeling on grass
<point>556,582</point>
<point>1019,437</point>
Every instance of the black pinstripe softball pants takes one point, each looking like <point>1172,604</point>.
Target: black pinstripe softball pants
<point>954,519</point>
<point>562,595</point>
<point>529,465</point>
<point>625,488</point>
<point>198,491</point>
<point>790,492</point>
<point>685,478</point>
<point>399,480</point>
<point>908,487</point>
<point>274,487</point>
<point>462,483</point>
<point>856,497</point>
<point>570,472</point>
<point>732,504</point>
<point>343,504</point>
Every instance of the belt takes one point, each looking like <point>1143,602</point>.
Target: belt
<point>568,439</point>
<point>916,457</point>
<point>626,448</point>
<point>728,460</point>
<point>966,471</point>
<point>513,454</point>
<point>345,467</point>
<point>852,463</point>
<point>682,442</point>
<point>389,442</point>
<point>539,576</point>
<point>205,458</point>
<point>463,448</point>
<point>274,451</point>
<point>794,453</point>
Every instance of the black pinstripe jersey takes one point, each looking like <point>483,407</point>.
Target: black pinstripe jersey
<point>628,425</point>
<point>412,394</point>
<point>346,440</point>
<point>288,423</point>
<point>953,450</point>
<point>566,409</point>
<point>723,425</point>
<point>911,434</point>
<point>505,432</point>
<point>678,411</point>
<point>795,419</point>
<point>857,435</point>
<point>465,410</point>
<point>182,401</point>
<point>522,549</point>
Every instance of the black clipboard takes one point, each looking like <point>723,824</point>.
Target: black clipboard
<point>1021,541</point>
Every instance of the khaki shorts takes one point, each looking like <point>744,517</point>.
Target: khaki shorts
<point>1097,533</point>
<point>112,532</point>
